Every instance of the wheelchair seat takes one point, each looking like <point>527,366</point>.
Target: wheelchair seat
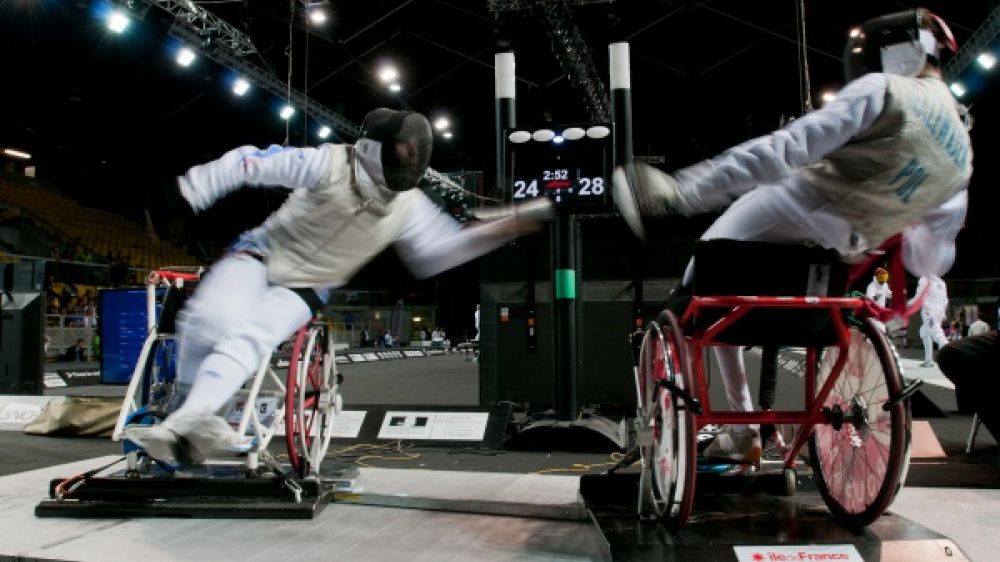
<point>763,269</point>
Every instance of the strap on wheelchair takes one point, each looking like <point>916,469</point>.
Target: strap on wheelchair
<point>690,400</point>
<point>311,299</point>
<point>904,394</point>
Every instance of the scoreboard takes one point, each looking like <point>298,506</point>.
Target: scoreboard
<point>571,165</point>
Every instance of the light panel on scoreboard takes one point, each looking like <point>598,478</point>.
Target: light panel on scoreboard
<point>572,172</point>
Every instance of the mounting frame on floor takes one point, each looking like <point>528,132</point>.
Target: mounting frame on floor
<point>191,497</point>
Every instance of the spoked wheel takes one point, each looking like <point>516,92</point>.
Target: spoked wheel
<point>859,453</point>
<point>310,399</point>
<point>668,459</point>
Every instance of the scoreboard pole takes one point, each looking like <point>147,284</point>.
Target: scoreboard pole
<point>621,115</point>
<point>564,287</point>
<point>506,118</point>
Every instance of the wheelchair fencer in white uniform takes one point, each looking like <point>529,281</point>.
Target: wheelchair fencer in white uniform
<point>348,203</point>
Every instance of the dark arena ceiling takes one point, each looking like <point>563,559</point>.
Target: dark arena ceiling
<point>112,118</point>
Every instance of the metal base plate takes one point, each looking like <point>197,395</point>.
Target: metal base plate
<point>212,492</point>
<point>733,512</point>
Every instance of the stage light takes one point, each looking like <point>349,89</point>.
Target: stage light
<point>395,87</point>
<point>317,15</point>
<point>957,88</point>
<point>574,133</point>
<point>324,132</point>
<point>185,56</point>
<point>441,123</point>
<point>240,86</point>
<point>856,32</point>
<point>388,74</point>
<point>287,112</point>
<point>447,134</point>
<point>117,21</point>
<point>16,154</point>
<point>557,139</point>
<point>986,60</point>
<point>828,97</point>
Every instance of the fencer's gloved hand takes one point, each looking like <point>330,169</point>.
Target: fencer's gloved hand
<point>641,190</point>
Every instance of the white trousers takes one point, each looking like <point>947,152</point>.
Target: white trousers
<point>782,213</point>
<point>931,332</point>
<point>230,324</point>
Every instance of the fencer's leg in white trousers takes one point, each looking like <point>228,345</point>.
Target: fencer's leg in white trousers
<point>238,318</point>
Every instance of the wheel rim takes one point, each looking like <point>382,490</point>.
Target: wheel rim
<point>309,385</point>
<point>662,413</point>
<point>855,451</point>
<point>306,421</point>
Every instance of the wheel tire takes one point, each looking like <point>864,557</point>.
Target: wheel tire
<point>791,481</point>
<point>669,462</point>
<point>859,467</point>
<point>309,373</point>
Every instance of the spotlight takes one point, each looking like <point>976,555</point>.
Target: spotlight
<point>388,74</point>
<point>957,88</point>
<point>117,21</point>
<point>854,32</point>
<point>240,86</point>
<point>441,123</point>
<point>323,132</point>
<point>557,139</point>
<point>317,15</point>
<point>829,97</point>
<point>16,154</point>
<point>287,112</point>
<point>185,56</point>
<point>395,87</point>
<point>986,60</point>
<point>447,134</point>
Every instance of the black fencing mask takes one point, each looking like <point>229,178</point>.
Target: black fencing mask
<point>402,166</point>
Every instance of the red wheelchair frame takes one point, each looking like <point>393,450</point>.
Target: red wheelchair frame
<point>856,413</point>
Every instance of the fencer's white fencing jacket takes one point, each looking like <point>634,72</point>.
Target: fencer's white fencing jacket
<point>337,218</point>
<point>936,303</point>
<point>889,154</point>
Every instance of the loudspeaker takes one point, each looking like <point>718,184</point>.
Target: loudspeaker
<point>21,349</point>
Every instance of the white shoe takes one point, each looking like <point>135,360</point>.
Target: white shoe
<point>188,437</point>
<point>741,446</point>
<point>160,443</point>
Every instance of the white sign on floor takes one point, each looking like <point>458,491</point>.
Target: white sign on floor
<point>798,553</point>
<point>345,426</point>
<point>440,426</point>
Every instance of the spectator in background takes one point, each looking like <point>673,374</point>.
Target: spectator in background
<point>879,292</point>
<point>366,338</point>
<point>76,352</point>
<point>979,327</point>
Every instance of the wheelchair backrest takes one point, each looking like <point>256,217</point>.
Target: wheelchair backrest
<point>764,269</point>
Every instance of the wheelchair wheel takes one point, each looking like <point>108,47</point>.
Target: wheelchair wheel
<point>859,453</point>
<point>669,463</point>
<point>308,415</point>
